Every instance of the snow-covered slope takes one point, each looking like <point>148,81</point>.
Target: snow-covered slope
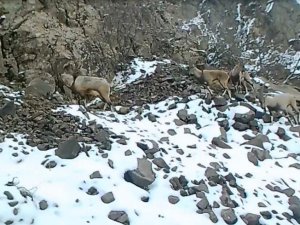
<point>38,187</point>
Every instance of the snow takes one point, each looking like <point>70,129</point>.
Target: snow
<point>270,5</point>
<point>298,1</point>
<point>64,187</point>
<point>139,69</point>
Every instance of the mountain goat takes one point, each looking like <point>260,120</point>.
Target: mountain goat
<point>282,102</point>
<point>88,86</point>
<point>240,78</point>
<point>210,77</point>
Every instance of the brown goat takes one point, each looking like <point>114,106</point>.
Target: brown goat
<point>88,86</point>
<point>245,79</point>
<point>210,77</point>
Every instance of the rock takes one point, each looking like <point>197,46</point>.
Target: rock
<point>249,106</point>
<point>43,205</point>
<point>282,134</point>
<point>8,109</point>
<point>261,155</point>
<point>119,216</point>
<point>123,110</point>
<point>212,216</point>
<point>220,101</point>
<point>252,158</point>
<point>251,219</point>
<point>160,162</point>
<point>152,117</point>
<point>244,118</point>
<point>95,175</point>
<point>240,126</point>
<point>294,206</point>
<point>143,176</point>
<point>171,132</point>
<point>173,199</point>
<point>8,195</point>
<point>142,146</point>
<point>175,183</point>
<point>212,174</point>
<point>203,204</point>
<point>266,215</point>
<point>251,97</point>
<point>40,88</point>
<point>182,115</point>
<point>69,149</point>
<point>224,123</point>
<point>220,143</point>
<point>258,141</point>
<point>229,216</point>
<point>108,197</point>
<point>295,165</point>
<point>192,119</point>
<point>266,118</point>
<point>92,191</point>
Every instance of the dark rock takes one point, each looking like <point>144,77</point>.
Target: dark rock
<point>229,216</point>
<point>295,165</point>
<point>240,126</point>
<point>266,215</point>
<point>160,162</point>
<point>220,143</point>
<point>259,114</point>
<point>8,195</point>
<point>244,118</point>
<point>171,132</point>
<point>108,197</point>
<point>251,97</point>
<point>51,164</point>
<point>43,205</point>
<point>266,118</point>
<point>282,134</point>
<point>92,191</point>
<point>252,158</point>
<point>143,176</point>
<point>261,154</point>
<point>173,199</point>
<point>95,174</point>
<point>251,219</point>
<point>172,106</point>
<point>69,149</point>
<point>224,123</point>
<point>119,216</point>
<point>40,88</point>
<point>219,101</point>
<point>142,146</point>
<point>8,109</point>
<point>182,115</point>
<point>295,43</point>
<point>152,117</point>
<point>203,204</point>
<point>192,119</point>
<point>175,183</point>
<point>13,203</point>
<point>212,216</point>
<point>212,174</point>
<point>201,188</point>
<point>258,141</point>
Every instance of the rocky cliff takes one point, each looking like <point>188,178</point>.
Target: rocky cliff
<point>48,37</point>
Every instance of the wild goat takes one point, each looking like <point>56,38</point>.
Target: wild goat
<point>240,78</point>
<point>210,77</point>
<point>88,86</point>
<point>282,102</point>
<point>245,79</point>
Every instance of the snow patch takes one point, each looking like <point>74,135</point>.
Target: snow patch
<point>138,69</point>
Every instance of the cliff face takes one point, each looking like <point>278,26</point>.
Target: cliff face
<point>49,37</point>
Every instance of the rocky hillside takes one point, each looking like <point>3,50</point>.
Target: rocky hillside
<point>49,37</point>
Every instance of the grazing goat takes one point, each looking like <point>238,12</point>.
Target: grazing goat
<point>88,86</point>
<point>240,78</point>
<point>235,76</point>
<point>210,77</point>
<point>282,102</point>
<point>245,79</point>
